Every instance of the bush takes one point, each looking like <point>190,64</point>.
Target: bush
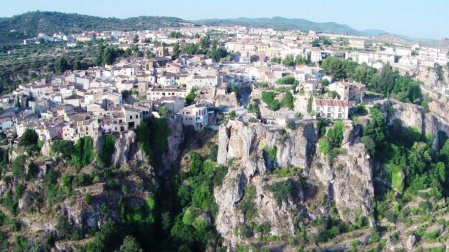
<point>83,152</point>
<point>191,96</point>
<point>18,167</point>
<point>283,191</point>
<point>248,204</point>
<point>288,80</point>
<point>354,244</point>
<point>291,124</point>
<point>107,150</point>
<point>33,171</point>
<point>65,148</point>
<point>130,244</point>
<point>287,101</point>
<point>269,98</point>
<point>269,156</point>
<point>213,152</point>
<point>62,226</point>
<point>152,136</point>
<point>29,137</point>
<point>88,198</point>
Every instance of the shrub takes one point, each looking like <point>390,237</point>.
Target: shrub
<point>287,101</point>
<point>269,98</point>
<point>191,96</point>
<point>354,244</point>
<point>152,136</point>
<point>283,191</point>
<point>18,167</point>
<point>248,204</point>
<point>287,80</point>
<point>269,156</point>
<point>83,152</point>
<point>107,150</point>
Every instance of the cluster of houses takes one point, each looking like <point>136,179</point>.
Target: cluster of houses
<point>110,99</point>
<point>116,98</point>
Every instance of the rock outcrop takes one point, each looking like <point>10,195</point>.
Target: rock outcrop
<point>415,116</point>
<point>238,140</point>
<point>127,149</point>
<point>243,148</point>
<point>348,181</point>
<point>174,143</point>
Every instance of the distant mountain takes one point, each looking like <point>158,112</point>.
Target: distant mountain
<point>30,24</point>
<point>374,32</point>
<point>280,23</point>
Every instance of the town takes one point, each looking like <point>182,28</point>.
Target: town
<point>253,67</point>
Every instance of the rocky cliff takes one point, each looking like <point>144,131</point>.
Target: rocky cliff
<point>127,149</point>
<point>415,116</point>
<point>347,183</point>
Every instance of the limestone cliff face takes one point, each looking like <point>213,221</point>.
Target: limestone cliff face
<point>174,143</point>
<point>238,140</point>
<point>349,185</point>
<point>127,149</point>
<point>230,216</point>
<point>415,116</point>
<point>430,77</point>
<point>349,181</point>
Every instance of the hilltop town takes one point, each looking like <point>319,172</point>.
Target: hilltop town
<point>117,97</point>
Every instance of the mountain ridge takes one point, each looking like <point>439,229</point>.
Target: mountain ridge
<point>29,24</point>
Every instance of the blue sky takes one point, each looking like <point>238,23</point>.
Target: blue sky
<point>415,18</point>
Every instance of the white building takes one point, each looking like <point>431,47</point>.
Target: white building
<point>331,109</point>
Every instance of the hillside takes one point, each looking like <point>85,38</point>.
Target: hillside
<point>280,23</point>
<point>30,24</point>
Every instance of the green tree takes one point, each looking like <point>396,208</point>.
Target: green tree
<point>214,44</point>
<point>107,150</point>
<point>335,134</point>
<point>65,148</point>
<point>205,43</point>
<point>309,105</point>
<point>77,64</point>
<point>289,60</point>
<point>61,64</point>
<point>29,137</point>
<point>62,226</point>
<point>164,112</point>
<point>18,167</point>
<point>287,101</point>
<point>269,98</point>
<point>135,38</point>
<point>176,50</point>
<point>191,96</point>
<point>130,244</point>
<point>299,60</point>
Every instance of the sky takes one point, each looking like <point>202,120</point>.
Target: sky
<point>414,18</point>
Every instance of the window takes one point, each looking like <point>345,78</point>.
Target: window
<point>130,117</point>
<point>137,116</point>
